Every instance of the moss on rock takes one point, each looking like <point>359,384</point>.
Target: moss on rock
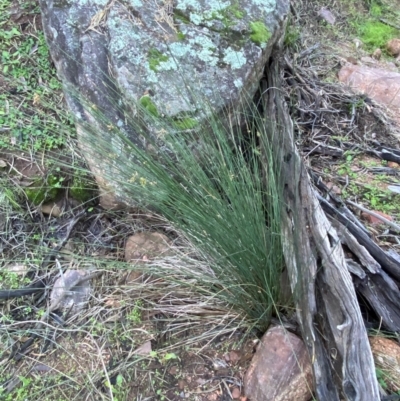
<point>148,105</point>
<point>156,58</point>
<point>185,123</point>
<point>260,34</point>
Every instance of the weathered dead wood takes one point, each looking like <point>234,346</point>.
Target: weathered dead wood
<point>371,281</point>
<point>344,210</point>
<point>387,262</point>
<point>383,296</point>
<point>326,302</point>
<point>358,250</point>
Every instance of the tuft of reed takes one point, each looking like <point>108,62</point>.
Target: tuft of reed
<point>216,183</point>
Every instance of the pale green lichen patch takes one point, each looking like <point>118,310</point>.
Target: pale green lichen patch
<point>236,59</point>
<point>238,82</point>
<point>136,3</point>
<point>267,6</point>
<point>205,49</point>
<point>223,11</point>
<point>260,33</point>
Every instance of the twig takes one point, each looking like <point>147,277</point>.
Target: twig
<point>388,263</point>
<point>308,51</point>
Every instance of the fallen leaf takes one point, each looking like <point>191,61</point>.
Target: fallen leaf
<point>143,349</point>
<point>114,303</point>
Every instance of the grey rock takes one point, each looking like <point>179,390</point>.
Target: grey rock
<point>327,15</point>
<point>165,53</point>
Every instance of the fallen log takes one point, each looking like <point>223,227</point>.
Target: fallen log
<point>327,307</point>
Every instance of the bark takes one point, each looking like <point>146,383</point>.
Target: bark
<point>325,298</point>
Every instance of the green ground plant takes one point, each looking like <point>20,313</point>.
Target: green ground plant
<point>28,80</point>
<point>378,27</point>
<point>375,34</point>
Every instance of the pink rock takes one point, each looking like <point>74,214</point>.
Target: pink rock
<point>235,393</point>
<point>280,370</point>
<point>381,85</point>
<point>374,220</point>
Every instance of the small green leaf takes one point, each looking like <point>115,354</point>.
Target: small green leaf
<point>120,379</point>
<point>170,356</point>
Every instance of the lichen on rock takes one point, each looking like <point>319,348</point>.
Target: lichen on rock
<point>158,45</point>
<point>171,55</point>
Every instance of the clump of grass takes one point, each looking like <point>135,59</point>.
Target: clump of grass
<point>216,188</point>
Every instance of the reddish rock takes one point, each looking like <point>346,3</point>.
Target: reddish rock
<point>393,164</point>
<point>334,188</point>
<point>280,370</point>
<point>351,60</point>
<point>146,245</point>
<point>181,384</point>
<point>235,356</point>
<point>235,393</point>
<point>386,354</point>
<point>374,220</point>
<point>393,47</point>
<point>381,85</point>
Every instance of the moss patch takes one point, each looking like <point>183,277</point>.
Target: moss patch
<point>82,188</point>
<point>229,15</point>
<point>149,105</point>
<point>44,191</point>
<point>155,58</point>
<point>375,10</point>
<point>180,35</point>
<point>185,123</point>
<point>260,34</point>
<point>376,34</point>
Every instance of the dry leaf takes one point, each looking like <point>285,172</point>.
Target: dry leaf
<point>143,349</point>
